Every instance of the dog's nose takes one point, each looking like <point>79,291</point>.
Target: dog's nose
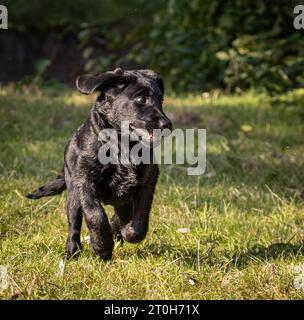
<point>165,124</point>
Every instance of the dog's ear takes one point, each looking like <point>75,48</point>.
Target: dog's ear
<point>88,83</point>
<point>156,77</point>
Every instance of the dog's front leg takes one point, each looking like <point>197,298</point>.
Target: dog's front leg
<point>98,224</point>
<point>136,229</point>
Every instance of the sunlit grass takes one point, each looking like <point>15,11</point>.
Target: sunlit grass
<point>245,213</point>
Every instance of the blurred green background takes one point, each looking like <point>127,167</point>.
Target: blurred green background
<point>196,45</point>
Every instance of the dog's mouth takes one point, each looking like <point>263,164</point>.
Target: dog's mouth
<point>148,132</point>
<point>143,132</point>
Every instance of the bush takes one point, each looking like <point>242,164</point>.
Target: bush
<point>199,45</point>
<point>196,45</point>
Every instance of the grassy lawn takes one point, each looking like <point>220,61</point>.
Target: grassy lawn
<point>246,212</point>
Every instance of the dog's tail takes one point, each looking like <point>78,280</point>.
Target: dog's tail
<point>51,188</point>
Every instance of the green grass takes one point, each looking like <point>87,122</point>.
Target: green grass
<point>246,212</point>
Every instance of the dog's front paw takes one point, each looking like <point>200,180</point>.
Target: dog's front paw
<point>132,235</point>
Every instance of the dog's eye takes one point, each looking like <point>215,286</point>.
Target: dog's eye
<point>120,85</point>
<point>141,100</point>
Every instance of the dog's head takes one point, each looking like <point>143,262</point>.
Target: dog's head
<point>135,96</point>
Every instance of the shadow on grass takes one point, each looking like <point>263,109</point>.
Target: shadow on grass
<point>188,257</point>
<point>275,251</point>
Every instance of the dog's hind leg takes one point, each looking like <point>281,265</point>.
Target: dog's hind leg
<point>123,215</point>
<point>116,227</point>
<point>74,213</point>
<point>97,222</point>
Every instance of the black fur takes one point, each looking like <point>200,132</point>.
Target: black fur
<point>129,188</point>
<point>51,188</point>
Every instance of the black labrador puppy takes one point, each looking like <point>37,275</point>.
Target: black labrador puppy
<point>134,96</point>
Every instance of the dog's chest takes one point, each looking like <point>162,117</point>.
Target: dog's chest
<point>115,184</point>
<point>118,183</point>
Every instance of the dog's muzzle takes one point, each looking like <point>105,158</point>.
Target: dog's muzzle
<point>152,131</point>
<point>165,123</point>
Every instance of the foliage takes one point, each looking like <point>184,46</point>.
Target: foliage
<point>68,16</point>
<point>195,45</point>
<point>200,44</point>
